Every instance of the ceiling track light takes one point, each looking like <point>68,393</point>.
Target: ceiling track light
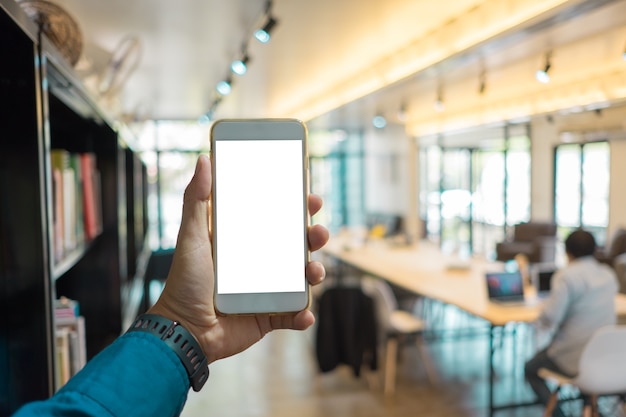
<point>263,34</point>
<point>402,113</point>
<point>240,66</point>
<point>224,87</point>
<point>542,74</point>
<point>624,54</point>
<point>482,82</point>
<point>439,103</point>
<point>379,121</point>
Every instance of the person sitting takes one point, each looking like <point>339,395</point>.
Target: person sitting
<point>581,300</point>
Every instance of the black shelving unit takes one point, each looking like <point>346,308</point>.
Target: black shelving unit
<point>43,106</point>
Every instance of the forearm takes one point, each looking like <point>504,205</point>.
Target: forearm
<point>138,375</point>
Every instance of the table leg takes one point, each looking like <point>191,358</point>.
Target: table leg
<point>491,370</point>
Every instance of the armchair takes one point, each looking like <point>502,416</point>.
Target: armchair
<point>616,246</point>
<point>536,240</point>
<point>619,264</point>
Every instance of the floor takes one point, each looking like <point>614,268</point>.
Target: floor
<point>279,377</point>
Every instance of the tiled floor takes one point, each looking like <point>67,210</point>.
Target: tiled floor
<point>279,377</point>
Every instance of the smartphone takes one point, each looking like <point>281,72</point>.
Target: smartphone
<point>260,215</point>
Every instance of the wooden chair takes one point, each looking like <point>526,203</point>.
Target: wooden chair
<point>602,370</point>
<point>395,325</point>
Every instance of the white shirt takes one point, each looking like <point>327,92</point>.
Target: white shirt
<point>582,299</point>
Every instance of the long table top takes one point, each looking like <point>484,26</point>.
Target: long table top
<point>423,269</point>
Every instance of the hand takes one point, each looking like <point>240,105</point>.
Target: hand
<point>188,293</point>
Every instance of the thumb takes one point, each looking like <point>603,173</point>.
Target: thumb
<point>195,206</point>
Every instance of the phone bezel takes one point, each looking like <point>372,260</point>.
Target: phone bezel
<point>260,129</point>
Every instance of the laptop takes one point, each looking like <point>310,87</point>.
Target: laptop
<point>506,287</point>
<point>541,277</point>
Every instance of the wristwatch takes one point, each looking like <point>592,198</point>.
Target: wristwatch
<point>181,341</point>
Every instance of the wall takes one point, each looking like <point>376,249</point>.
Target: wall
<point>387,181</point>
<point>544,137</point>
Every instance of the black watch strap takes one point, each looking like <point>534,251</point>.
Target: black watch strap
<point>181,342</point>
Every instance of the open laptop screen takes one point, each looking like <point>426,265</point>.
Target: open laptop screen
<point>505,286</point>
<point>544,279</point>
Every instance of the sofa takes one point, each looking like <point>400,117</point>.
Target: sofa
<point>615,247</point>
<point>536,240</point>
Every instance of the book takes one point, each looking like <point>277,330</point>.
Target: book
<point>71,341</point>
<point>79,221</point>
<point>91,195</point>
<point>57,214</point>
<point>69,210</point>
<point>62,366</point>
<point>59,161</point>
<point>77,211</point>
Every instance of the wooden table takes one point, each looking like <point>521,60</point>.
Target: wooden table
<point>424,270</point>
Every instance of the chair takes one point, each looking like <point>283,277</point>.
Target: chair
<point>536,240</point>
<point>616,247</point>
<point>619,265</point>
<point>395,325</point>
<point>602,369</point>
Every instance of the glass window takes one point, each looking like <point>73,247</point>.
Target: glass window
<point>455,201</point>
<point>518,180</point>
<point>174,135</point>
<point>170,150</point>
<point>487,202</point>
<point>337,176</point>
<point>567,186</point>
<point>429,194</point>
<point>473,185</point>
<point>595,185</point>
<point>582,188</point>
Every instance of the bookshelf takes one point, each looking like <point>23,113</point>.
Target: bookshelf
<point>44,108</point>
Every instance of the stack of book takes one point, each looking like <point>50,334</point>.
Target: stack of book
<point>77,211</point>
<point>71,351</point>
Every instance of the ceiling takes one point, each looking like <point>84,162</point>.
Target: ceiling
<point>334,63</point>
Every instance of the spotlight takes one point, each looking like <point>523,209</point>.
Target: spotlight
<point>439,104</point>
<point>263,34</point>
<point>379,121</point>
<point>240,66</point>
<point>624,54</point>
<point>402,114</point>
<point>224,87</point>
<point>205,118</point>
<point>542,74</point>
<point>482,85</point>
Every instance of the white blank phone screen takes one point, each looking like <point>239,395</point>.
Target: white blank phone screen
<point>260,230</point>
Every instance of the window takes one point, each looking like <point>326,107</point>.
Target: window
<point>474,185</point>
<point>336,161</point>
<point>429,194</point>
<point>169,150</point>
<point>581,188</point>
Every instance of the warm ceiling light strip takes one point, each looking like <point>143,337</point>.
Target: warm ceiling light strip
<point>480,24</point>
<point>590,91</point>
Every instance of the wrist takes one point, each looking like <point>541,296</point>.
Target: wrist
<point>181,341</point>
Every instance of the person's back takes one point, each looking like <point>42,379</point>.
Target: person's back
<point>582,300</point>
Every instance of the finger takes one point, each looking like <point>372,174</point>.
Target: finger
<point>315,273</point>
<point>315,203</point>
<point>298,321</point>
<point>318,237</point>
<point>199,187</point>
<point>195,207</point>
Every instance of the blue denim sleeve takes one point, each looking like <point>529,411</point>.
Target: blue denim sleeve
<point>137,375</point>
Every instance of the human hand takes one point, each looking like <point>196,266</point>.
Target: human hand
<point>188,293</point>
